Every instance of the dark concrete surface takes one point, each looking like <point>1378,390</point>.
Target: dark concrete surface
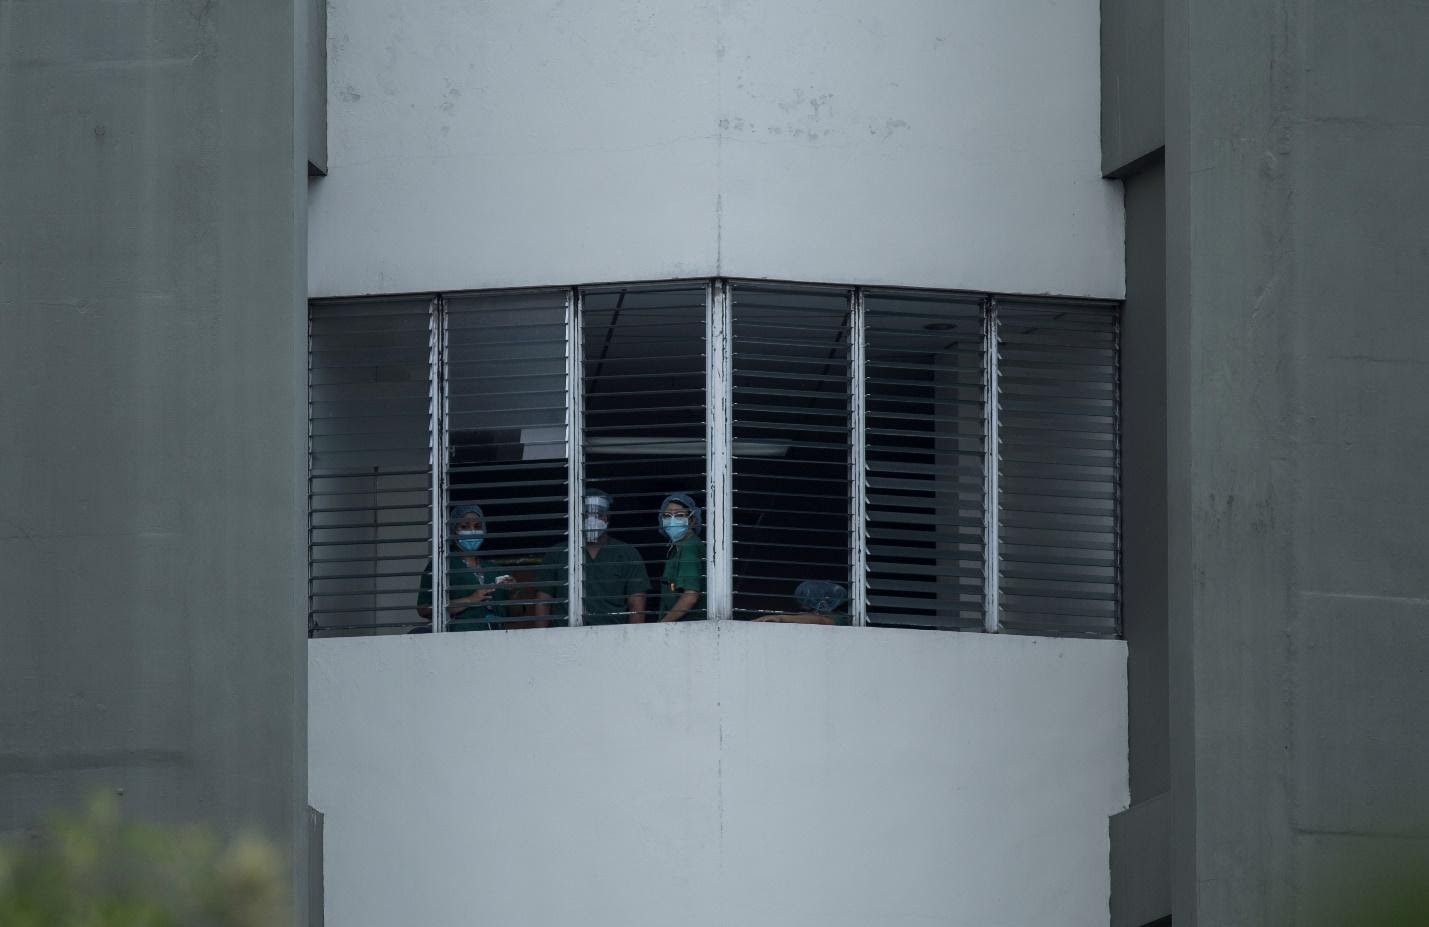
<point>151,487</point>
<point>1299,574</point>
<point>1133,89</point>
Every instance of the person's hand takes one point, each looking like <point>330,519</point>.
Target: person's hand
<point>480,595</point>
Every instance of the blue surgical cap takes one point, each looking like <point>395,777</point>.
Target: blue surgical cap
<point>818,595</point>
<point>466,508</point>
<point>688,502</point>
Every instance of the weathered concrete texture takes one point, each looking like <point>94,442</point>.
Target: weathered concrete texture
<point>1296,271</point>
<point>1141,836</point>
<point>718,773</point>
<point>315,896</point>
<point>1133,83</point>
<point>313,59</point>
<point>1141,863</point>
<point>151,268</point>
<point>1143,480</point>
<point>917,142</point>
<point>1359,683</point>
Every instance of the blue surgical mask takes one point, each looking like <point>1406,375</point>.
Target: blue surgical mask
<point>675,526</point>
<point>469,541</point>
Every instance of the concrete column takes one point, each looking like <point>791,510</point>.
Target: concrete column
<point>152,267</point>
<point>1299,618</point>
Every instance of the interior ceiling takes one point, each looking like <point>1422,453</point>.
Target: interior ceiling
<point>620,338</point>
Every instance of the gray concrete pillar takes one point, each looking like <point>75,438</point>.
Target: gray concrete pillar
<point>152,268</point>
<point>1297,267</point>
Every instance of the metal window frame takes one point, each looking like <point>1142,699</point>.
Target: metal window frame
<point>438,442</point>
<point>719,457</point>
<point>575,458</point>
<point>858,460</point>
<point>992,456</point>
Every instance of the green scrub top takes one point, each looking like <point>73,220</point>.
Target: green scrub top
<point>684,570</point>
<point>463,580</point>
<point>613,575</point>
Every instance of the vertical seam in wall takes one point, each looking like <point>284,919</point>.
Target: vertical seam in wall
<point>719,761</point>
<point>719,142</point>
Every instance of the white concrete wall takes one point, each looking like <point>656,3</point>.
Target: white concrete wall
<point>717,774</point>
<point>521,142</point>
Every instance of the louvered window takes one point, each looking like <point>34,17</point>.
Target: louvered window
<point>925,433</point>
<point>371,391</point>
<point>792,447</point>
<point>643,377</point>
<point>951,459</point>
<point>506,416</point>
<point>1058,467</point>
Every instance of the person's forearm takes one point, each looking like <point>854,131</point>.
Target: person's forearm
<point>454,606</point>
<point>636,605</point>
<point>683,604</point>
<point>457,606</point>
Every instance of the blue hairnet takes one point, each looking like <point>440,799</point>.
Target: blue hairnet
<point>818,595</point>
<point>688,502</point>
<point>466,508</point>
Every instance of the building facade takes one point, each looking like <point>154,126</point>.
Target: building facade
<point>808,207</point>
<point>1079,342</point>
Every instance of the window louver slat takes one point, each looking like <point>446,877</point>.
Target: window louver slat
<point>1058,502</point>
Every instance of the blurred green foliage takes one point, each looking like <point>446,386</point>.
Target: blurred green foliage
<point>95,869</point>
<point>1396,894</point>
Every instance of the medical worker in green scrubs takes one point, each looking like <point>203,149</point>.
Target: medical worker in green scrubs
<point>682,584</point>
<point>614,583</point>
<point>474,588</point>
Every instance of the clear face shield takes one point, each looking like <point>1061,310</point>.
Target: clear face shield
<point>596,509</point>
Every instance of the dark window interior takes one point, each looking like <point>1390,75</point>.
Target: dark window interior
<point>791,449</point>
<point>643,360</point>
